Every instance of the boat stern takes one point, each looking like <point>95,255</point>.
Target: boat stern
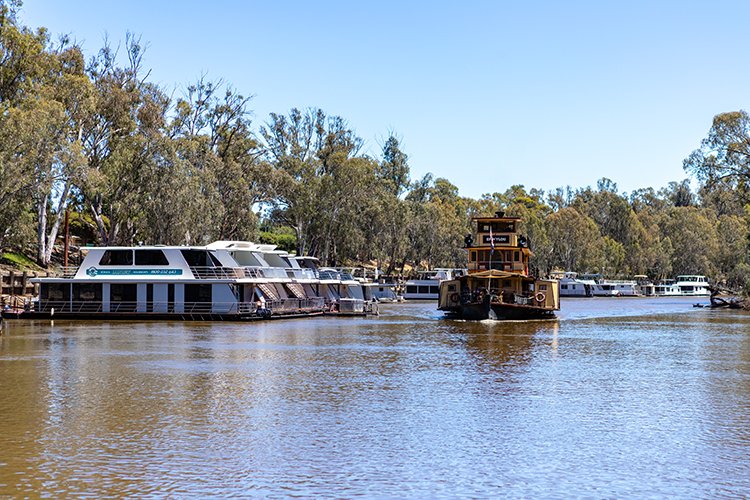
<point>449,297</point>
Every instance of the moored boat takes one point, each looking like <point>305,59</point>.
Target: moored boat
<point>693,285</point>
<point>226,280</point>
<point>572,286</point>
<point>498,285</point>
<point>426,285</point>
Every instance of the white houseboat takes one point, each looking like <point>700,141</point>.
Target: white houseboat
<point>427,284</point>
<point>572,286</point>
<point>666,288</point>
<point>226,280</point>
<point>603,287</point>
<point>382,292</point>
<point>692,285</point>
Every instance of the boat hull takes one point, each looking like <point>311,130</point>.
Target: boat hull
<point>481,311</point>
<point>40,315</point>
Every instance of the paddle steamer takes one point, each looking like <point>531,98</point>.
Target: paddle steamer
<point>498,284</point>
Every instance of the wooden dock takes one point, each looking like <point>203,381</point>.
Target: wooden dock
<point>16,288</point>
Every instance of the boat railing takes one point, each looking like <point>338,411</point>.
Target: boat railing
<point>274,272</point>
<point>69,271</point>
<point>506,297</point>
<point>264,272</point>
<point>134,307</point>
<point>208,272</point>
<point>305,274</point>
<point>289,305</point>
<point>328,274</point>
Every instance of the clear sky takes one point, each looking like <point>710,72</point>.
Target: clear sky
<point>486,94</point>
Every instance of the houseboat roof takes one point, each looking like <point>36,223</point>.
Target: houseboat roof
<point>495,273</point>
<point>496,218</point>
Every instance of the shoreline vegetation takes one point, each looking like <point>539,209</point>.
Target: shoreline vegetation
<point>133,164</point>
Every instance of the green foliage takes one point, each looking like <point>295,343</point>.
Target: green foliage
<point>18,260</point>
<point>283,238</point>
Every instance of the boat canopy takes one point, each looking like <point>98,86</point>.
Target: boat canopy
<point>495,273</point>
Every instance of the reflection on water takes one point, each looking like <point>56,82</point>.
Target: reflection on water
<point>616,398</point>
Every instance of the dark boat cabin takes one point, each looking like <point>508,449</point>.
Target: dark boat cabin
<point>498,245</point>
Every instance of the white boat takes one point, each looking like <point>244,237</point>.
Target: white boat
<point>602,287</point>
<point>666,288</point>
<point>617,288</point>
<point>692,285</point>
<point>645,286</point>
<point>572,286</point>
<point>226,280</point>
<point>344,294</point>
<point>427,284</point>
<point>381,292</point>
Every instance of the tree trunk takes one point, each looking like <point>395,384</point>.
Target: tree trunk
<point>56,226</point>
<point>96,211</point>
<point>41,230</point>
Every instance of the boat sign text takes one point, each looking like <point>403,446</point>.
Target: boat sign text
<point>92,271</point>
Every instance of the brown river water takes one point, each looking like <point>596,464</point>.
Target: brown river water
<point>618,398</point>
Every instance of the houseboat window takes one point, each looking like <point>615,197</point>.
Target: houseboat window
<point>197,293</point>
<point>451,288</point>
<point>473,256</point>
<point>123,297</point>
<point>90,292</point>
<point>55,291</point>
<point>123,292</point>
<point>411,289</point>
<point>565,287</point>
<point>199,258</point>
<point>424,289</point>
<point>515,256</point>
<point>542,287</point>
<point>150,258</point>
<point>434,289</point>
<point>117,258</point>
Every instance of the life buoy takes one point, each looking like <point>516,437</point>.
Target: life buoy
<point>540,297</point>
<point>454,297</point>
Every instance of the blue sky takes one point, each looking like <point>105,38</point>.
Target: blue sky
<point>485,94</point>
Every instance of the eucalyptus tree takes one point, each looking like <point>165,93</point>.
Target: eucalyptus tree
<point>437,223</point>
<point>693,236</point>
<point>213,133</point>
<point>724,154</point>
<point>574,240</point>
<point>731,260</point>
<point>721,197</point>
<point>678,194</point>
<point>122,136</point>
<point>22,66</point>
<point>44,97</point>
<point>307,150</point>
<point>388,220</point>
